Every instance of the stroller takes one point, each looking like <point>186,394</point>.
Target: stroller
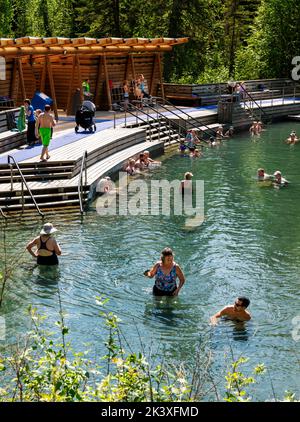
<point>84,117</point>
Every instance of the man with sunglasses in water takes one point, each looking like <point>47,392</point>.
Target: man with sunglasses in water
<point>235,312</point>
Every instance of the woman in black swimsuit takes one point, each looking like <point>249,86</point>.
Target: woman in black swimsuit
<point>47,247</point>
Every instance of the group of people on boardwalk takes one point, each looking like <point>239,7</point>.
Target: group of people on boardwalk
<point>40,125</point>
<point>138,88</point>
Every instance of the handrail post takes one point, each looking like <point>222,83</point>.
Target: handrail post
<point>294,94</point>
<point>22,192</point>
<point>114,119</point>
<point>159,129</point>
<point>10,157</point>
<point>125,117</point>
<point>85,168</point>
<point>283,96</point>
<point>11,176</point>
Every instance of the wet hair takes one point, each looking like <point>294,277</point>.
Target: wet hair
<point>27,101</point>
<point>47,107</point>
<point>245,301</point>
<point>188,175</point>
<point>166,252</point>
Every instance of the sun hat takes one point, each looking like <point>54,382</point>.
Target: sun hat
<point>277,172</point>
<point>48,229</point>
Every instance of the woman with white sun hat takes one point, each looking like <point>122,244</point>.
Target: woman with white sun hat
<point>47,248</point>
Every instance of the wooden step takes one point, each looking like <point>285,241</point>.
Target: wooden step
<point>36,177</point>
<point>40,199</point>
<point>47,205</point>
<point>36,171</point>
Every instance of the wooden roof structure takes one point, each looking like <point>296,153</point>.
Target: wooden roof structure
<point>57,66</point>
<point>59,45</point>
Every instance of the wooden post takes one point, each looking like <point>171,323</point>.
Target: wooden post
<point>132,67</point>
<point>69,100</point>
<point>98,80</point>
<point>52,87</point>
<point>107,83</point>
<point>43,77</point>
<point>79,76</point>
<point>160,75</point>
<point>31,68</point>
<point>126,68</point>
<point>14,83</point>
<point>21,78</point>
<point>152,75</point>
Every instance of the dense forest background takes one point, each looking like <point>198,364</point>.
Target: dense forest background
<point>241,39</point>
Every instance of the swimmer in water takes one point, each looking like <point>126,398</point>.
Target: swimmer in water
<point>47,248</point>
<point>182,147</point>
<point>186,184</point>
<point>279,180</point>
<point>236,312</point>
<point>293,138</point>
<point>262,176</point>
<point>253,129</point>
<point>196,154</point>
<point>166,271</point>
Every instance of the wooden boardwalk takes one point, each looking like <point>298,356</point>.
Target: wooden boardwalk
<point>99,142</point>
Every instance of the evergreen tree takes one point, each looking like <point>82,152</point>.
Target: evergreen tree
<point>6,15</point>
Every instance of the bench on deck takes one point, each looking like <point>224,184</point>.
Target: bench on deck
<point>9,138</point>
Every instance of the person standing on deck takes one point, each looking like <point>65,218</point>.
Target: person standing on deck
<point>29,112</point>
<point>44,126</point>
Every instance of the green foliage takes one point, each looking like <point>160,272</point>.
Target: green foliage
<point>273,41</point>
<point>6,16</point>
<point>47,370</point>
<point>237,382</point>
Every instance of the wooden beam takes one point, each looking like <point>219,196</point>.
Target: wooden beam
<point>160,76</point>
<point>69,100</point>
<point>153,74</point>
<point>43,77</point>
<point>31,68</point>
<point>126,68</point>
<point>14,83</point>
<point>132,67</point>
<point>52,87</point>
<point>21,78</point>
<point>79,76</point>
<point>107,83</point>
<point>98,80</point>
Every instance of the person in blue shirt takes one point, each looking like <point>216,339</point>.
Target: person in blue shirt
<point>29,112</point>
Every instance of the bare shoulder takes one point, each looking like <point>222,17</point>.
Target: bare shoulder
<point>227,309</point>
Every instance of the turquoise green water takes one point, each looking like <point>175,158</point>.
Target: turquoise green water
<point>249,244</point>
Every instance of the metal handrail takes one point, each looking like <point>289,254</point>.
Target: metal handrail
<point>182,112</point>
<point>2,213</point>
<point>139,117</point>
<point>80,186</point>
<point>181,128</point>
<point>9,158</point>
<point>256,103</point>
